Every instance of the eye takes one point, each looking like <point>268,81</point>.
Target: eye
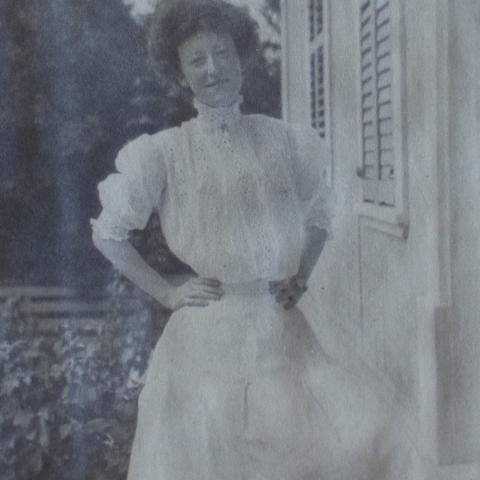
<point>222,52</point>
<point>196,61</point>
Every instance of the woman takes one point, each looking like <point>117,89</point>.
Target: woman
<point>238,387</point>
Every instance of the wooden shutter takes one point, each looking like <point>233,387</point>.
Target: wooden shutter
<point>318,87</point>
<point>378,165</point>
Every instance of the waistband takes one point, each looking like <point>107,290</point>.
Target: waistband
<point>254,287</point>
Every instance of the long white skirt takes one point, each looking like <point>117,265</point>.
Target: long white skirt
<point>242,390</point>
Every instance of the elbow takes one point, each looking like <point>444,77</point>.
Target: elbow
<point>113,250</point>
<point>101,244</point>
<point>320,233</point>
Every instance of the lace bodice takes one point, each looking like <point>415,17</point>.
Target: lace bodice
<point>234,192</point>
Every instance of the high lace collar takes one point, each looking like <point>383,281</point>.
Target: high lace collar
<point>218,117</point>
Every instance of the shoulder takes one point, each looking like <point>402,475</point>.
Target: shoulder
<point>301,132</point>
<point>294,131</point>
<point>164,140</point>
<point>151,143</point>
<point>261,120</point>
<point>147,152</point>
<point>306,140</point>
<point>268,129</point>
<point>302,139</point>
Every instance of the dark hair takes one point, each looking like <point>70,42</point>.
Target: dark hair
<point>175,21</point>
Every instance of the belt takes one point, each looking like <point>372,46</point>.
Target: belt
<point>254,287</point>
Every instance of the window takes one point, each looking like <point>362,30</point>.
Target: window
<point>382,166</point>
<point>318,65</point>
<point>377,116</point>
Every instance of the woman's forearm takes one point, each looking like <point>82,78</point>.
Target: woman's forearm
<point>289,291</point>
<point>126,259</point>
<point>314,242</point>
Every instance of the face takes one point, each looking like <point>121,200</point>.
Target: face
<point>210,66</point>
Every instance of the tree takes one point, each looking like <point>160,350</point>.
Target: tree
<point>65,107</point>
<point>76,86</point>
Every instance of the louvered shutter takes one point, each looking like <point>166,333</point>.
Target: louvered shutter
<point>378,166</point>
<point>318,64</point>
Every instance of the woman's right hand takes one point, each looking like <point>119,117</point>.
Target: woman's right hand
<point>195,292</point>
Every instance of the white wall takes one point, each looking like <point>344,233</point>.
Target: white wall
<point>371,281</point>
<point>463,424</point>
<point>410,306</point>
<point>382,290</point>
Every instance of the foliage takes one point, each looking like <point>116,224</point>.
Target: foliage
<point>271,13</point>
<point>76,86</point>
<point>68,394</point>
<point>65,109</point>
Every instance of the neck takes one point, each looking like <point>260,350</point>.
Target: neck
<point>218,115</point>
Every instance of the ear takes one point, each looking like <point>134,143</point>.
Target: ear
<point>182,80</point>
<point>180,77</point>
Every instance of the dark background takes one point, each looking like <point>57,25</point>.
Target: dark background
<point>76,85</point>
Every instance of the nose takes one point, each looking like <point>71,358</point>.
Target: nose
<point>211,65</point>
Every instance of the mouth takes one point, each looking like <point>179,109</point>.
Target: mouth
<point>217,83</point>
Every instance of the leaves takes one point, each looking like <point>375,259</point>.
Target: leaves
<point>67,76</point>
<point>68,401</point>
<point>77,85</point>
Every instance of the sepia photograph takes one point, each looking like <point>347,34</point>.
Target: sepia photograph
<point>239,240</point>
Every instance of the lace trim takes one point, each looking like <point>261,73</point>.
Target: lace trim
<point>108,231</point>
<point>218,116</point>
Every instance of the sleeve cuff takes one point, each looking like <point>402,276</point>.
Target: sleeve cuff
<point>106,229</point>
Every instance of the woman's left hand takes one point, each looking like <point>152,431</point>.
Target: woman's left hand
<point>289,291</point>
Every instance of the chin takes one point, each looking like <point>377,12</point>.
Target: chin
<point>219,100</point>
<point>225,101</point>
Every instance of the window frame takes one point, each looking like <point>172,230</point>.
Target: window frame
<point>392,220</point>
<point>312,47</point>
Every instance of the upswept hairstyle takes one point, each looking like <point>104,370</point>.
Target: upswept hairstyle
<point>174,21</point>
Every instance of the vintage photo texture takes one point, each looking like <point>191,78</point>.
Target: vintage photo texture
<point>390,86</point>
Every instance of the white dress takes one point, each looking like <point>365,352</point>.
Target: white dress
<point>241,389</point>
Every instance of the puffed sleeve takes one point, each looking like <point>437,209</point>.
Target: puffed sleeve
<point>311,157</point>
<point>129,195</point>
